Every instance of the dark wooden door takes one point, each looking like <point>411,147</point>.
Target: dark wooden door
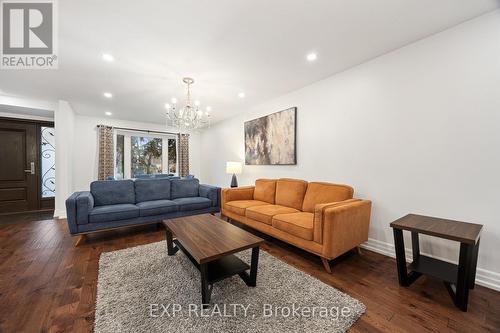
<point>18,167</point>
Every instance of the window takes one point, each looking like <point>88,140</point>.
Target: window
<point>119,157</point>
<point>146,156</point>
<point>172,156</point>
<point>138,154</point>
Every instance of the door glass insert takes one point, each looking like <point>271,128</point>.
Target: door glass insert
<point>48,162</point>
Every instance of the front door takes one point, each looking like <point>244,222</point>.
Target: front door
<point>18,167</point>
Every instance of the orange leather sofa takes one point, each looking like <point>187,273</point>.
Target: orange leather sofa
<point>321,218</point>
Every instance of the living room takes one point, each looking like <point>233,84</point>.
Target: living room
<point>253,166</point>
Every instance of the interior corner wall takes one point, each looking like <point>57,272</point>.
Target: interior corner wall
<point>415,130</point>
<point>86,157</point>
<point>64,124</point>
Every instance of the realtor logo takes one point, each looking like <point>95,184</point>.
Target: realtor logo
<point>28,34</point>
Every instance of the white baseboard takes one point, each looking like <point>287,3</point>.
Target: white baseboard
<point>59,214</point>
<point>484,277</point>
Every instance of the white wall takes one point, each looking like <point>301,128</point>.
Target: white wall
<point>64,119</point>
<point>416,130</point>
<point>86,143</point>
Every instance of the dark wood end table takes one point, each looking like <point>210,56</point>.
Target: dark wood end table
<point>210,244</point>
<point>458,279</point>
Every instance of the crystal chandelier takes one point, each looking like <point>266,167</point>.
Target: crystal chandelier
<point>188,116</point>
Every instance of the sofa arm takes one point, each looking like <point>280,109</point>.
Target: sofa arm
<point>212,193</point>
<point>319,217</point>
<point>78,206</point>
<point>84,204</point>
<point>71,213</point>
<point>237,193</point>
<point>344,226</point>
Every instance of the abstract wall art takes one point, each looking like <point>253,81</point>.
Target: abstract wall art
<point>271,140</point>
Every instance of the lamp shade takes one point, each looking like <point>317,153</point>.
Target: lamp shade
<point>233,167</point>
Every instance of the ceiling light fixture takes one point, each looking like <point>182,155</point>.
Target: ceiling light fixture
<point>188,116</point>
<point>241,95</point>
<point>312,57</point>
<point>108,57</point>
<point>107,113</point>
<point>108,95</point>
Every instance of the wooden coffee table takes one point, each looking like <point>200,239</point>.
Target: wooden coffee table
<point>210,244</point>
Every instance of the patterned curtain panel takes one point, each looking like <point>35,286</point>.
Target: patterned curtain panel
<point>106,165</point>
<point>183,155</point>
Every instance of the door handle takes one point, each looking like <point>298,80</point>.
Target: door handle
<point>32,168</point>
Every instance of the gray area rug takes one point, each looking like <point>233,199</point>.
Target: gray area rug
<point>141,289</point>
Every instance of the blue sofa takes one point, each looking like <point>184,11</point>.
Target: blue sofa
<point>117,203</point>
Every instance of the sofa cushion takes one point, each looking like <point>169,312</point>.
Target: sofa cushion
<point>156,207</point>
<point>265,213</point>
<point>265,190</point>
<point>152,189</point>
<point>297,224</point>
<point>318,193</point>
<point>113,192</point>
<point>290,192</point>
<point>184,188</point>
<point>113,212</point>
<point>192,203</point>
<point>239,206</point>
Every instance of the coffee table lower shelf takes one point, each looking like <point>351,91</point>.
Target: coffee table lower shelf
<point>218,269</point>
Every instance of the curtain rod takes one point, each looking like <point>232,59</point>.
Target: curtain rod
<point>139,130</point>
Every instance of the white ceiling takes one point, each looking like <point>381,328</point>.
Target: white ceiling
<point>228,46</point>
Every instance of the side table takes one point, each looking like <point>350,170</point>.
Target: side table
<point>458,279</point>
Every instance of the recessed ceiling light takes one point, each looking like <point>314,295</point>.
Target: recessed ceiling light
<point>174,100</point>
<point>167,106</point>
<point>312,57</point>
<point>108,95</point>
<point>209,108</point>
<point>108,57</point>
<point>241,95</point>
<point>107,113</point>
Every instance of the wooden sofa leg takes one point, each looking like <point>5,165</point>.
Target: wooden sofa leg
<point>80,239</point>
<point>327,265</point>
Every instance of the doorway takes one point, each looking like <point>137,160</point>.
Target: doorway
<point>27,166</point>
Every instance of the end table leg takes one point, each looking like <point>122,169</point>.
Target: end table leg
<point>400,257</point>
<point>472,277</point>
<point>205,291</point>
<point>253,267</point>
<point>464,267</point>
<point>415,245</point>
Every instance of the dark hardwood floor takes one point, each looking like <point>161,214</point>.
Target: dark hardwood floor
<point>48,285</point>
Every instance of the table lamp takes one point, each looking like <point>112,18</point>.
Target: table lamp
<point>235,169</point>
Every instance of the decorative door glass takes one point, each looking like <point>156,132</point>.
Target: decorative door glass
<point>48,162</point>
